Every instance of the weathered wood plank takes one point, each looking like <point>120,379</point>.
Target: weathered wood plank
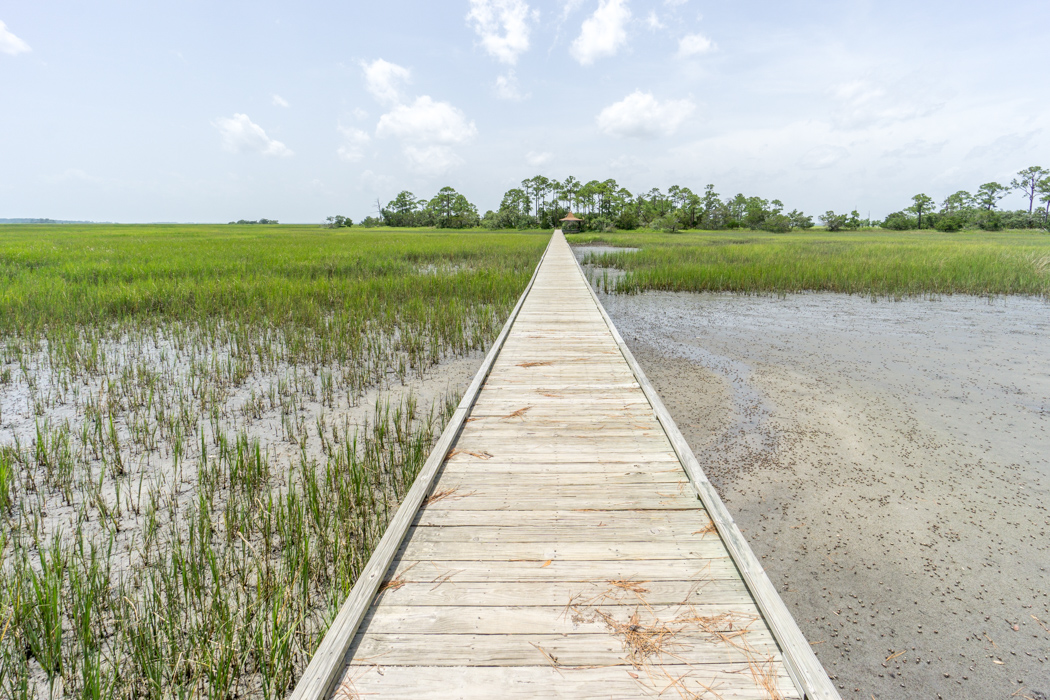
<point>637,492</point>
<point>429,571</point>
<point>733,682</point>
<point>553,593</point>
<point>484,474</point>
<point>566,650</point>
<point>661,471</point>
<point>612,531</point>
<point>555,619</point>
<point>586,457</point>
<point>688,520</point>
<point>445,550</point>
<point>536,502</point>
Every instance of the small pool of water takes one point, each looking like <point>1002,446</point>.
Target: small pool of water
<point>582,251</point>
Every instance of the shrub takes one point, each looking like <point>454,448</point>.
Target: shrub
<point>777,223</point>
<point>600,223</point>
<point>899,221</point>
<point>833,221</point>
<point>628,219</point>
<point>949,222</point>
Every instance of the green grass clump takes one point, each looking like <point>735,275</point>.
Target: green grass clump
<point>877,263</point>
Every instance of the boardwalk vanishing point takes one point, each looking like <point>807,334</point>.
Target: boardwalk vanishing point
<point>563,541</point>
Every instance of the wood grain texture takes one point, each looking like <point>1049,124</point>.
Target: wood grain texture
<point>731,682</point>
<point>579,649</point>
<point>560,547</point>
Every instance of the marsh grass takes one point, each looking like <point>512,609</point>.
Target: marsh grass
<point>187,485</point>
<point>876,263</point>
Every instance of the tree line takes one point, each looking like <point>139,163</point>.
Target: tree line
<point>541,202</point>
<point>980,210</point>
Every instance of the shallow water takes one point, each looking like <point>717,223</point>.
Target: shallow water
<point>582,251</point>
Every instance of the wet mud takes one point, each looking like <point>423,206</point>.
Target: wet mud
<point>889,463</point>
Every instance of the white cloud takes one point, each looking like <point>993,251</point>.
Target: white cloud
<point>373,182</point>
<point>538,158</point>
<point>279,101</point>
<point>383,79</point>
<point>241,134</point>
<point>507,87</point>
<point>629,164</point>
<point>434,159</point>
<point>503,26</point>
<point>11,44</point>
<point>603,33</point>
<point>74,175</point>
<point>675,3</point>
<point>653,21</point>
<point>427,129</point>
<point>916,148</point>
<point>822,157</point>
<point>640,115</point>
<point>862,103</point>
<point>359,114</point>
<point>354,143</point>
<point>426,121</point>
<point>567,8</point>
<point>693,45</point>
<point>1002,147</point>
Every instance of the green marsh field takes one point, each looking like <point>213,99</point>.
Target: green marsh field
<point>188,487</point>
<point>869,262</point>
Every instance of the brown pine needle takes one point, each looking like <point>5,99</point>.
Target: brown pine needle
<point>708,529</point>
<point>444,494</point>
<point>480,455</point>
<point>445,577</point>
<point>392,584</point>
<point>547,655</point>
<point>398,581</point>
<point>535,364</point>
<point>519,413</point>
<point>632,586</point>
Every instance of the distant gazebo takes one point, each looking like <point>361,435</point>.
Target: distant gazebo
<point>571,224</point>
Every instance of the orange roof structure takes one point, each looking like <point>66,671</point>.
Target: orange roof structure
<point>571,217</point>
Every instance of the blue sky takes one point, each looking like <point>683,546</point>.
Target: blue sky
<point>194,111</point>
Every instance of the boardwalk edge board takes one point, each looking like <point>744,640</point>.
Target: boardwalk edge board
<point>329,659</point>
<point>801,663</point>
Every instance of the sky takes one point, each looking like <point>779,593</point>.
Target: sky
<point>213,111</point>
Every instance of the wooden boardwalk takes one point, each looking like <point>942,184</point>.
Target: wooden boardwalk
<point>563,542</point>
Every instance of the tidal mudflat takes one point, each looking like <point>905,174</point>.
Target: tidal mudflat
<point>888,461</point>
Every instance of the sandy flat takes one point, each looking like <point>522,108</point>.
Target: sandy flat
<point>889,463</point>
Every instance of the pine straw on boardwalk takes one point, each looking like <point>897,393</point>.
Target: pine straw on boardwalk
<point>649,645</point>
